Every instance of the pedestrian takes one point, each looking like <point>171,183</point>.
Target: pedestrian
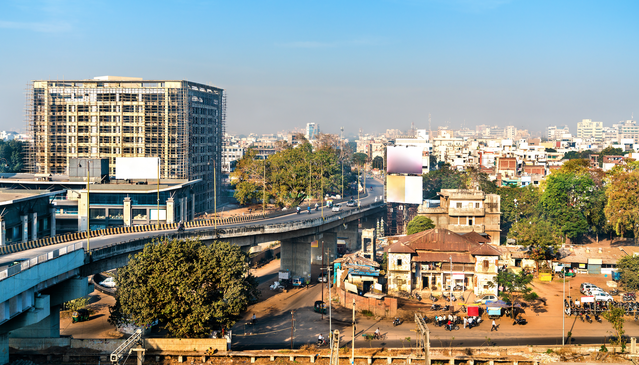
<point>464,322</point>
<point>254,318</point>
<point>494,327</point>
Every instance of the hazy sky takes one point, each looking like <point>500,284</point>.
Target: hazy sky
<point>358,64</point>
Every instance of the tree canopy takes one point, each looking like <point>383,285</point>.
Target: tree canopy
<point>189,287</point>
<point>290,176</point>
<point>629,269</point>
<point>419,224</point>
<point>11,156</point>
<point>446,178</point>
<point>622,207</point>
<point>514,285</point>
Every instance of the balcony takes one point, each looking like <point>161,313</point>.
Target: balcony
<point>463,228</point>
<point>466,211</point>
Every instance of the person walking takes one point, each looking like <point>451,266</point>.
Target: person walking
<point>254,319</point>
<point>464,322</point>
<point>494,327</point>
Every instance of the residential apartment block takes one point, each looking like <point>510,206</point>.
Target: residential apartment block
<point>589,129</point>
<point>465,211</point>
<point>181,122</point>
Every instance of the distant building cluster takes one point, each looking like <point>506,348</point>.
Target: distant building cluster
<point>10,136</point>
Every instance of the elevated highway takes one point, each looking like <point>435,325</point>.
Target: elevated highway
<point>35,282</point>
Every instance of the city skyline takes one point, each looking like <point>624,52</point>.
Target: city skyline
<point>371,65</point>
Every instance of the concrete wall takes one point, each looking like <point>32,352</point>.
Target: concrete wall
<point>296,257</point>
<point>170,345</point>
<point>386,307</point>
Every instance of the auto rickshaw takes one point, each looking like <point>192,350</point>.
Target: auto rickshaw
<point>319,307</point>
<point>80,315</point>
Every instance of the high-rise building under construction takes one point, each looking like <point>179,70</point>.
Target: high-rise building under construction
<point>181,122</point>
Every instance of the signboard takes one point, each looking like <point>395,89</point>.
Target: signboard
<point>315,243</point>
<point>404,189</point>
<point>154,214</point>
<point>404,160</point>
<point>588,299</point>
<point>458,276</point>
<point>284,275</point>
<point>136,167</point>
<point>350,287</point>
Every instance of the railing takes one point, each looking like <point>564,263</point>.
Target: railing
<point>466,211</point>
<point>479,228</point>
<point>26,264</point>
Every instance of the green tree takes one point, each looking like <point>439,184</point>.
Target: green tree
<point>538,235</point>
<point>622,207</point>
<point>514,285</point>
<point>189,287</point>
<point>615,317</point>
<point>578,155</point>
<point>11,156</point>
<point>517,204</point>
<point>378,163</point>
<point>565,201</point>
<point>359,158</point>
<point>628,267</point>
<point>419,224</point>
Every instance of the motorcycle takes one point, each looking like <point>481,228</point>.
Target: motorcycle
<point>397,322</point>
<point>520,321</point>
<point>417,296</point>
<point>298,211</point>
<point>588,319</point>
<point>435,307</point>
<point>452,327</point>
<point>597,318</point>
<point>446,308</point>
<point>433,298</point>
<point>321,342</point>
<point>180,229</point>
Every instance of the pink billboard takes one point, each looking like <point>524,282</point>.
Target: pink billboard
<point>403,160</point>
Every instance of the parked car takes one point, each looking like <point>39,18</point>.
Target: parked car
<point>108,282</point>
<point>322,277</point>
<point>585,287</point>
<point>486,297</point>
<point>336,208</point>
<point>603,297</point>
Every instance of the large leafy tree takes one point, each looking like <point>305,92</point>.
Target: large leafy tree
<point>290,175</point>
<point>513,286</point>
<point>446,178</point>
<point>419,224</point>
<point>538,235</point>
<point>517,204</point>
<point>622,208</point>
<point>566,201</point>
<point>189,287</point>
<point>11,156</point>
<point>378,162</point>
<point>629,269</point>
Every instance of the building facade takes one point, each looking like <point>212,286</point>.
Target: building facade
<point>312,131</point>
<point>589,129</point>
<point>181,122</point>
<point>465,211</point>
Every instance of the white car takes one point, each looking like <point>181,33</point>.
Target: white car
<point>336,208</point>
<point>602,297</point>
<point>108,283</point>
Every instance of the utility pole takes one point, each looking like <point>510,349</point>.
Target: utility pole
<point>330,296</point>
<point>450,299</point>
<point>353,341</point>
<point>322,269</point>
<point>341,155</point>
<point>563,315</point>
<point>264,190</point>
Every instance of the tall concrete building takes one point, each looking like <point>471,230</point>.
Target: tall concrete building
<point>628,130</point>
<point>312,131</point>
<point>181,122</point>
<point>589,129</point>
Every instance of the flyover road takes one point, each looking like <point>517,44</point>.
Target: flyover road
<point>97,242</point>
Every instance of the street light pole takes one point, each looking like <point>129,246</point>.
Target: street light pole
<point>88,207</point>
<point>563,315</point>
<point>353,341</point>
<point>264,190</point>
<point>450,299</point>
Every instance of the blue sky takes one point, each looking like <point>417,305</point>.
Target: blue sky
<point>359,64</point>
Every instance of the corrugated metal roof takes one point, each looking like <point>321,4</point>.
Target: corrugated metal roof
<point>457,257</point>
<point>438,240</point>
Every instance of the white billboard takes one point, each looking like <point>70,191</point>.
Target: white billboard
<point>404,189</point>
<point>404,160</point>
<point>136,167</point>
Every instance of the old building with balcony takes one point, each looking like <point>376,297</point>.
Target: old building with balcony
<point>437,259</point>
<point>465,211</point>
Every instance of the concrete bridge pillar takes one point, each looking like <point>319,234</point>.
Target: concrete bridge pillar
<point>349,233</point>
<point>25,228</point>
<point>34,227</point>
<point>299,254</point>
<point>4,348</point>
<point>51,221</point>
<point>47,327</point>
<point>3,232</point>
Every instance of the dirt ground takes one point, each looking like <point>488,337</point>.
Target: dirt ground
<point>97,326</point>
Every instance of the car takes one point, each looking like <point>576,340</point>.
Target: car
<point>108,283</point>
<point>322,277</point>
<point>486,297</point>
<point>585,287</point>
<point>351,203</point>
<point>336,208</point>
<point>603,297</point>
